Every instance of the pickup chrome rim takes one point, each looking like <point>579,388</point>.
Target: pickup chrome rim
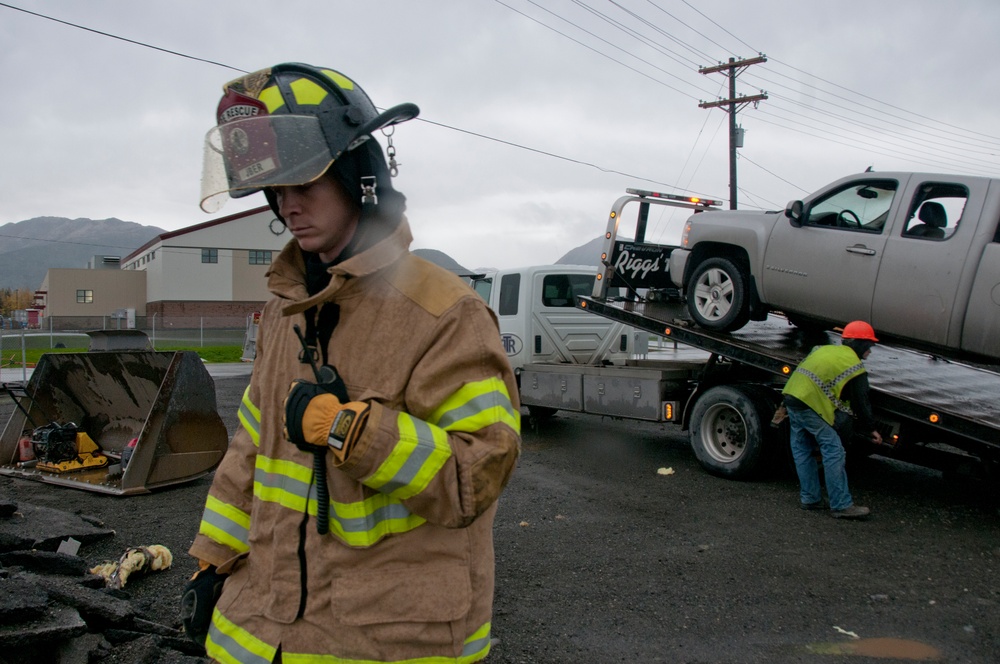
<point>723,433</point>
<point>713,294</point>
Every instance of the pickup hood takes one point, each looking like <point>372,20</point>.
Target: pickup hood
<point>743,228</point>
<point>726,217</point>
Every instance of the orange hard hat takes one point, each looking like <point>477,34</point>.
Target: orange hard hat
<point>858,329</point>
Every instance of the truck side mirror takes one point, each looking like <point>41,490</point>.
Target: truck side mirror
<point>794,213</point>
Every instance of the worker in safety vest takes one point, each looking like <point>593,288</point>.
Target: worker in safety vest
<point>351,519</point>
<point>829,386</point>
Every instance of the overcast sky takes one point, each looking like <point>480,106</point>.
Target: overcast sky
<point>536,115</point>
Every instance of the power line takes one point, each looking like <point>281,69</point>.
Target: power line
<point>591,48</point>
<point>124,39</point>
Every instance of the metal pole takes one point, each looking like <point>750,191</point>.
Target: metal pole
<point>154,330</point>
<point>201,325</point>
<point>52,343</point>
<point>24,357</point>
<point>732,136</point>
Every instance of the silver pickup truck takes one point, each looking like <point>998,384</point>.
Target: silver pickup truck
<point>915,254</point>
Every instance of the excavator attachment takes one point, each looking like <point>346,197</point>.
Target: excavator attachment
<point>83,412</point>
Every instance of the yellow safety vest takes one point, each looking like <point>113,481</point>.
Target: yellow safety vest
<point>820,378</point>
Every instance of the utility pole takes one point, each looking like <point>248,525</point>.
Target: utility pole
<point>733,69</point>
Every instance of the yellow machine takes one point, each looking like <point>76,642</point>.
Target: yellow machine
<point>65,449</point>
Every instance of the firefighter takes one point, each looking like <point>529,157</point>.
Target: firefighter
<point>351,518</point>
<point>824,393</point>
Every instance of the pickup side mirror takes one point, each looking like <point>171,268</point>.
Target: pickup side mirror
<point>794,213</point>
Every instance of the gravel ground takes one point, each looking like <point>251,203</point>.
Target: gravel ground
<point>602,559</point>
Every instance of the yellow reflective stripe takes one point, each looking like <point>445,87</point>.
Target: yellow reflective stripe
<point>231,644</point>
<point>476,406</point>
<point>271,96</point>
<point>420,452</point>
<point>360,523</point>
<point>249,416</point>
<point>307,91</point>
<point>226,524</point>
<point>284,482</point>
<point>475,648</point>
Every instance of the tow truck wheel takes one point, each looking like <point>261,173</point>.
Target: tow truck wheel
<point>717,296</point>
<point>728,431</point>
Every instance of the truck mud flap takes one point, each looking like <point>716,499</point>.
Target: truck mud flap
<point>164,400</point>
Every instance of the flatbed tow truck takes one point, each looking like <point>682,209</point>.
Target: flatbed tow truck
<point>933,411</point>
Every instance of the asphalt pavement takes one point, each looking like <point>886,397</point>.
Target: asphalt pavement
<point>613,545</point>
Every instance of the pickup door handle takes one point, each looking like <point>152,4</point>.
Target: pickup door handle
<point>861,249</point>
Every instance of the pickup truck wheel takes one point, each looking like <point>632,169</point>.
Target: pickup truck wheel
<point>717,296</point>
<point>728,431</point>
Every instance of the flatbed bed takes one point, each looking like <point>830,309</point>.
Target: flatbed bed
<point>929,400</point>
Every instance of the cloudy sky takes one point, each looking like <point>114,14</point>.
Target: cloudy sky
<point>535,115</point>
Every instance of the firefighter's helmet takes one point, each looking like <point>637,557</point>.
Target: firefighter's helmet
<point>858,329</point>
<point>285,126</point>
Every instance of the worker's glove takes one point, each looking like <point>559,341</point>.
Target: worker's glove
<point>316,418</point>
<point>198,601</point>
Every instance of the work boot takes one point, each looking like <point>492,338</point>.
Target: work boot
<point>852,512</point>
<point>818,505</point>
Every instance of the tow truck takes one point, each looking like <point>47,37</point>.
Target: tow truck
<point>932,410</point>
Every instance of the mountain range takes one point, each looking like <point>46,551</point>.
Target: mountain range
<point>28,249</point>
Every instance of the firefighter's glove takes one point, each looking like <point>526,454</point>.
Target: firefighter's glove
<point>198,601</point>
<point>315,418</point>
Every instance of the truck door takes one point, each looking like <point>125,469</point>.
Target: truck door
<point>927,270</point>
<point>827,267</point>
<point>562,333</point>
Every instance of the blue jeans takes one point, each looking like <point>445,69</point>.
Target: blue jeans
<point>808,431</point>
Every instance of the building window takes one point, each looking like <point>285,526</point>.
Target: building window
<point>85,296</point>
<point>209,255</point>
<point>260,257</point>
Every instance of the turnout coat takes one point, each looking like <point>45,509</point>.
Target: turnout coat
<point>405,573</point>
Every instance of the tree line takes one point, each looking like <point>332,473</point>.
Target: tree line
<point>12,299</point>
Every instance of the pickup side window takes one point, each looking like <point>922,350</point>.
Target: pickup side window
<point>936,211</point>
<point>560,290</point>
<point>861,206</point>
<point>510,286</point>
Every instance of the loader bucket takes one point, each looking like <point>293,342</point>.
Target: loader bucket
<point>164,399</point>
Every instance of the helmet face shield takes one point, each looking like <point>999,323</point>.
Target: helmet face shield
<point>284,126</point>
<point>245,156</point>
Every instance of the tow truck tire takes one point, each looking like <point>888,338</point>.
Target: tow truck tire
<point>718,295</point>
<point>729,431</point>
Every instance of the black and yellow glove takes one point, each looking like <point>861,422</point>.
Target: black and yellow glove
<point>316,418</point>
<point>198,601</point>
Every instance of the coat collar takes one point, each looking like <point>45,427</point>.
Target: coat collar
<point>287,276</point>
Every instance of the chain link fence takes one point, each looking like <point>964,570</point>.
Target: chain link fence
<point>164,332</point>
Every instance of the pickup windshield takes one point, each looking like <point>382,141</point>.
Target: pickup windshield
<point>860,206</point>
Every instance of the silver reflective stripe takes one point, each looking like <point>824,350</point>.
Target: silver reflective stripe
<point>226,525</point>
<point>233,648</point>
<point>475,406</point>
<point>422,451</point>
<point>827,388</point>
<point>275,480</point>
<point>370,522</point>
<point>476,645</point>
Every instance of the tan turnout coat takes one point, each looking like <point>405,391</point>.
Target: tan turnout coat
<point>406,572</point>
